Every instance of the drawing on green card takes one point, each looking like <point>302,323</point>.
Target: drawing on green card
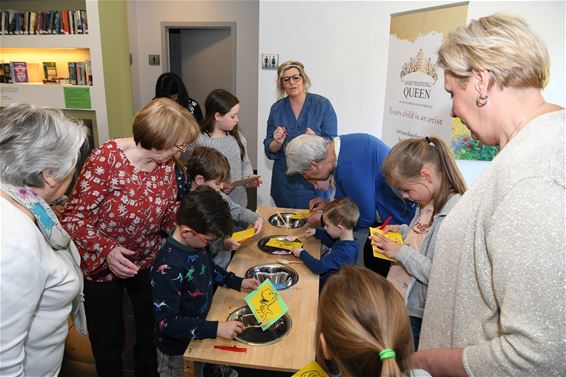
<point>266,304</point>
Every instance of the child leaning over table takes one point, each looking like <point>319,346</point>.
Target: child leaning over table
<point>207,166</point>
<point>338,219</point>
<point>182,277</point>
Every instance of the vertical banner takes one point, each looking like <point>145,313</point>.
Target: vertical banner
<point>416,104</point>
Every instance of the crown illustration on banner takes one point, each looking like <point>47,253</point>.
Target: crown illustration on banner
<point>419,64</point>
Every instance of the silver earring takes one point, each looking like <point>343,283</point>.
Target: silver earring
<point>481,99</point>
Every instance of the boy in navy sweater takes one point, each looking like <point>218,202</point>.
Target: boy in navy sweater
<point>182,277</point>
<point>338,219</point>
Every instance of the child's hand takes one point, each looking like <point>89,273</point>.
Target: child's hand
<point>297,251</point>
<point>229,329</point>
<point>314,218</point>
<point>230,244</point>
<point>249,285</point>
<point>391,228</point>
<point>309,232</point>
<point>258,226</point>
<point>255,183</point>
<point>227,188</point>
<point>387,246</point>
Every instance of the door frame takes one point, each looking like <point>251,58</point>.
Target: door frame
<point>166,26</point>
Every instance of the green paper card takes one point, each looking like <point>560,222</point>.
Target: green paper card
<point>266,304</point>
<point>77,98</point>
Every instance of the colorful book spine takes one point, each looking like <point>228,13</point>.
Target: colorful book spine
<point>20,72</point>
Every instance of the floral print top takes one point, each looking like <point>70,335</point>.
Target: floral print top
<point>115,204</point>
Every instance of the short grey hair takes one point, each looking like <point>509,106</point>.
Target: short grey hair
<point>35,140</point>
<point>303,150</point>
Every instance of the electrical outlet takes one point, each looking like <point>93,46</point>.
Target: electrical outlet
<point>269,61</point>
<point>153,59</point>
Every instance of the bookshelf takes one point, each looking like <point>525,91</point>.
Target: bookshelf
<point>59,48</point>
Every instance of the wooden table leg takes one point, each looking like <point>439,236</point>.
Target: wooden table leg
<point>190,368</point>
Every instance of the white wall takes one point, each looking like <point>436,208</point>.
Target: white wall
<point>344,46</point>
<point>144,27</point>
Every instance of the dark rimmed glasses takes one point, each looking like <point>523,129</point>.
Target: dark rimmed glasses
<point>288,79</point>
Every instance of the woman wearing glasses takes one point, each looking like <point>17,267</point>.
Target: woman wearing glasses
<point>124,197</point>
<point>297,113</point>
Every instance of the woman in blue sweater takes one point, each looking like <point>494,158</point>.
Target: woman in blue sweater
<point>297,113</point>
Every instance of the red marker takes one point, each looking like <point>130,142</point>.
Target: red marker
<point>231,348</point>
<point>385,223</point>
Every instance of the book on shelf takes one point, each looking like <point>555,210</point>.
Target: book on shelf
<point>49,70</point>
<point>13,21</point>
<point>72,73</point>
<point>81,74</point>
<point>19,71</point>
<point>88,71</point>
<point>7,73</point>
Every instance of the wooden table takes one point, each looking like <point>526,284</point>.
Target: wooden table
<point>295,349</point>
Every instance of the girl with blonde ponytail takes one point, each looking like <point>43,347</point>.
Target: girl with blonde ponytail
<point>363,327</point>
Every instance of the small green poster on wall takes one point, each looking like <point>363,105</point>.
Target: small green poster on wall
<point>77,98</point>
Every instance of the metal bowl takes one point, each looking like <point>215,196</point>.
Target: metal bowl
<point>253,334</point>
<point>282,277</point>
<point>289,223</point>
<point>261,244</point>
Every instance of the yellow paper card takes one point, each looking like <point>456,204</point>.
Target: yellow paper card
<point>266,304</point>
<point>243,235</point>
<point>312,369</point>
<point>393,236</point>
<point>301,215</point>
<point>283,244</point>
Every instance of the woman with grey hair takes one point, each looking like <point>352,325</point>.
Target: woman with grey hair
<point>41,281</point>
<point>297,113</point>
<point>495,303</point>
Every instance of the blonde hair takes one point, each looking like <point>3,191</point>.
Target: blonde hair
<point>283,67</point>
<point>343,212</point>
<point>502,44</point>
<point>406,159</point>
<point>162,123</point>
<point>360,314</point>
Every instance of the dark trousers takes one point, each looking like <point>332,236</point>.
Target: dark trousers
<point>105,321</point>
<point>381,266</point>
<point>416,324</point>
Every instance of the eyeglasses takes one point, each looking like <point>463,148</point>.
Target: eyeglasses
<point>181,147</point>
<point>199,237</point>
<point>294,78</point>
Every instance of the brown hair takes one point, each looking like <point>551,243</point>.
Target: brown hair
<point>343,212</point>
<point>283,67</point>
<point>407,158</point>
<point>209,163</point>
<point>221,101</point>
<point>162,123</point>
<point>360,314</point>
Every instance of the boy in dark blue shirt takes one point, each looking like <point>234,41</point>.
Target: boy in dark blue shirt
<point>338,219</point>
<point>182,278</point>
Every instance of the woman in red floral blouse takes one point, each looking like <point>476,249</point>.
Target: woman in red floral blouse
<point>124,198</point>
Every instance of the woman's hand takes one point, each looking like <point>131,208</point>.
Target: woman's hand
<point>297,251</point>
<point>119,264</point>
<point>387,246</point>
<point>258,226</point>
<point>279,135</point>
<point>314,218</point>
<point>230,244</point>
<point>229,329</point>
<point>317,203</point>
<point>249,285</point>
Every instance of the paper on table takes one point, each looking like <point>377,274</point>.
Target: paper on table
<point>393,236</point>
<point>312,369</point>
<point>243,182</point>
<point>281,244</point>
<point>266,304</point>
<point>301,215</point>
<point>243,235</point>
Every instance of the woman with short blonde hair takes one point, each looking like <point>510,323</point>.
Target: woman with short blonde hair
<point>492,307</point>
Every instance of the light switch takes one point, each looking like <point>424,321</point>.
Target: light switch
<point>153,59</point>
